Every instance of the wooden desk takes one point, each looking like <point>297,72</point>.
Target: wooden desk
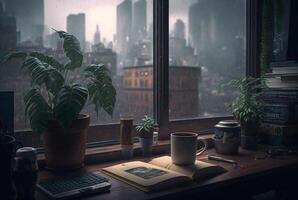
<point>253,176</point>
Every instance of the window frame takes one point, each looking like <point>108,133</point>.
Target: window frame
<point>110,131</point>
<point>161,53</point>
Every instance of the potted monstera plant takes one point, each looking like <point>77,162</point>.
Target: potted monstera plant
<point>247,108</point>
<point>55,100</point>
<point>145,130</point>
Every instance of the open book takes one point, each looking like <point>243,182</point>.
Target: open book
<point>160,173</point>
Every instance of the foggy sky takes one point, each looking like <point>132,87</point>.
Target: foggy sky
<point>178,9</point>
<point>103,13</point>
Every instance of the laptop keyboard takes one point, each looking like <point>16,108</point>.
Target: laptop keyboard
<point>61,185</point>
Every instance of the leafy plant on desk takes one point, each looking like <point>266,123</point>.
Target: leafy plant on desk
<point>53,95</point>
<point>145,129</point>
<point>247,107</point>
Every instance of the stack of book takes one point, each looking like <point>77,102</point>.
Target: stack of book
<point>280,121</point>
<point>282,77</point>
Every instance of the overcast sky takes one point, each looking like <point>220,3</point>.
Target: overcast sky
<point>103,13</point>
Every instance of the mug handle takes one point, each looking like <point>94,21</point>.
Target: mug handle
<point>201,150</point>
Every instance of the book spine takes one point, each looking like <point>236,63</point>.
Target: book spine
<point>280,113</point>
<point>274,134</point>
<point>280,96</point>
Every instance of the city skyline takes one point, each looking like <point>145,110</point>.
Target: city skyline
<point>93,10</point>
<point>97,12</point>
<point>107,28</point>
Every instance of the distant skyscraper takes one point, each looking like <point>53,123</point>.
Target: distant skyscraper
<point>139,20</point>
<point>96,38</point>
<point>124,20</point>
<point>124,34</point>
<point>29,18</point>
<point>214,25</point>
<point>179,29</point>
<point>198,22</point>
<point>76,26</point>
<point>8,33</point>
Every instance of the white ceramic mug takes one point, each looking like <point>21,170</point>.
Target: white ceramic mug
<point>184,147</point>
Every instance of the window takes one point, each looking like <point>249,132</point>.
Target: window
<point>172,74</point>
<point>206,49</point>
<point>116,33</point>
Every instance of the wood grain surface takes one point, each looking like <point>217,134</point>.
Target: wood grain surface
<point>250,177</point>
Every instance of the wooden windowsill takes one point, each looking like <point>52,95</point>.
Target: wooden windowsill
<point>113,152</point>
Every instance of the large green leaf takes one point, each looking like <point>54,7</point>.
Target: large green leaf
<point>31,64</point>
<point>101,90</point>
<point>37,109</point>
<point>14,55</point>
<point>48,60</point>
<point>72,50</point>
<point>54,81</point>
<point>69,102</point>
<point>42,73</point>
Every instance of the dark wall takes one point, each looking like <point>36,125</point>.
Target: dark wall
<point>293,32</point>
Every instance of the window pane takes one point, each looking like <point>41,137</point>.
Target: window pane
<point>207,48</point>
<point>117,33</point>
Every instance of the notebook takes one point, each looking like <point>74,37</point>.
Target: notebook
<point>160,173</point>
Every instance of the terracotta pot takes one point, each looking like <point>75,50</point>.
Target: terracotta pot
<point>65,148</point>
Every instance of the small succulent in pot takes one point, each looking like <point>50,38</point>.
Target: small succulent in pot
<point>145,129</point>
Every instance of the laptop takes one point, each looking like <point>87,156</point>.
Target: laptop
<point>70,187</point>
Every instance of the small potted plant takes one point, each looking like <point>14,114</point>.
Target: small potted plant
<point>145,131</point>
<point>247,109</point>
<point>54,101</point>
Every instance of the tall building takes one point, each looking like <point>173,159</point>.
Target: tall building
<point>179,29</point>
<point>138,91</point>
<point>181,54</point>
<point>29,19</point>
<point>199,25</point>
<point>139,20</point>
<point>217,33</point>
<point>214,27</point>
<point>96,38</point>
<point>76,26</point>
<point>124,24</point>
<point>8,32</point>
<point>124,21</point>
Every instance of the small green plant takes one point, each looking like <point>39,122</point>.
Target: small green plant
<point>147,125</point>
<point>247,107</point>
<point>54,95</point>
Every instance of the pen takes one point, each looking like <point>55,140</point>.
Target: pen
<point>217,158</point>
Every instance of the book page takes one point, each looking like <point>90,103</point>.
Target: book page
<point>147,176</point>
<point>196,171</point>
